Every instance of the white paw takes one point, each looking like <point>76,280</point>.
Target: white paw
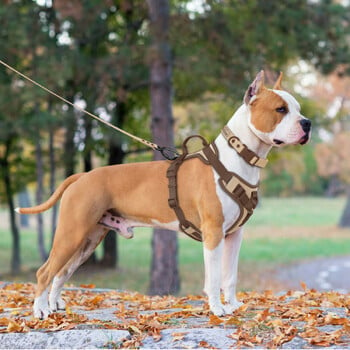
<point>58,304</point>
<point>40,310</point>
<point>217,309</point>
<point>230,308</point>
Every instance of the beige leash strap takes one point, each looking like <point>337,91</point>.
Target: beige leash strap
<point>166,151</point>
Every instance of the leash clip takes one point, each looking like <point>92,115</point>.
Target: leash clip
<point>168,152</point>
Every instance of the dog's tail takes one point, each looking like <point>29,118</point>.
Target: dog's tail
<point>53,199</point>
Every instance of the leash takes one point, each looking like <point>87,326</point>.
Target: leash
<point>167,152</point>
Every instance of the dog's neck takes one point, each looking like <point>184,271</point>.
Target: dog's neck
<point>230,158</point>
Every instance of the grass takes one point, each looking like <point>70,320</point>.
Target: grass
<point>280,232</point>
<point>298,211</point>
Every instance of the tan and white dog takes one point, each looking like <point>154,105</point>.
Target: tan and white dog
<point>129,195</point>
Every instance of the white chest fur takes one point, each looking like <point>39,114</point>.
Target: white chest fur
<point>234,163</point>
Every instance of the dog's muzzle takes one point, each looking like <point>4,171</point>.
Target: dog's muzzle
<point>306,126</point>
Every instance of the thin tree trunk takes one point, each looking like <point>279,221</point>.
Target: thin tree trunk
<point>5,168</point>
<point>88,143</point>
<point>345,218</point>
<point>116,156</point>
<point>69,144</point>
<point>39,197</point>
<point>24,201</point>
<point>92,260</point>
<point>164,270</point>
<point>52,179</point>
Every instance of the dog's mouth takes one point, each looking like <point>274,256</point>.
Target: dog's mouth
<point>304,139</point>
<point>278,142</point>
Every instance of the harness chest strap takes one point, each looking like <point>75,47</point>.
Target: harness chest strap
<point>237,188</point>
<point>244,194</point>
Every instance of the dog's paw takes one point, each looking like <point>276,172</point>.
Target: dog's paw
<point>40,310</point>
<point>58,304</point>
<point>230,308</point>
<point>218,310</point>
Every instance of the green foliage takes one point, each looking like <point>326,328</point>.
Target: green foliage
<point>223,45</point>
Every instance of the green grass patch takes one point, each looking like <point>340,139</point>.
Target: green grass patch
<point>298,211</point>
<point>286,250</point>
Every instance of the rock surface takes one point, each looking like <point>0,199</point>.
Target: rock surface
<point>98,318</point>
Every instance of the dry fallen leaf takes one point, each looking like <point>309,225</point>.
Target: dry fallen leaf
<point>215,320</point>
<point>178,336</point>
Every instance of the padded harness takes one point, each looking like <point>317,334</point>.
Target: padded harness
<point>243,193</point>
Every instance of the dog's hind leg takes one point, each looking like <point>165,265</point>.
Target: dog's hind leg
<point>40,307</point>
<point>232,245</point>
<point>58,258</point>
<point>81,255</point>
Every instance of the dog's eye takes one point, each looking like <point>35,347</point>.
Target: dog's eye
<point>283,110</point>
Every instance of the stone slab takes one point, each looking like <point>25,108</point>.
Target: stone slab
<point>73,339</point>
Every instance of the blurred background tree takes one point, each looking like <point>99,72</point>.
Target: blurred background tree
<point>99,53</point>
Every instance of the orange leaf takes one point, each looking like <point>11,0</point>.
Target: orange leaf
<point>178,336</point>
<point>4,321</point>
<point>303,285</point>
<point>88,286</point>
<point>204,344</point>
<point>233,321</point>
<point>214,320</point>
<point>14,327</point>
<point>336,321</point>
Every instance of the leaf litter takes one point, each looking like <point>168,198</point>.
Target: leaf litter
<point>264,320</point>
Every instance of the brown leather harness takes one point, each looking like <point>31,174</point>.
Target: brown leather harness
<point>243,193</point>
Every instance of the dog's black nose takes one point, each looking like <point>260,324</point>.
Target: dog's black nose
<point>305,124</point>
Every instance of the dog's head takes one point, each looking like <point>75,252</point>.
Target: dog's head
<point>275,116</point>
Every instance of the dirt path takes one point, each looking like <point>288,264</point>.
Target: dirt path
<point>322,274</point>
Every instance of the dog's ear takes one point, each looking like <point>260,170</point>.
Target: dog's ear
<point>255,87</point>
<point>278,82</point>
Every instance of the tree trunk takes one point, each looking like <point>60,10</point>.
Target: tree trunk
<point>39,197</point>
<point>87,155</point>
<point>345,218</point>
<point>88,143</point>
<point>52,179</point>
<point>5,168</point>
<point>24,202</point>
<point>164,269</point>
<point>70,126</point>
<point>116,156</point>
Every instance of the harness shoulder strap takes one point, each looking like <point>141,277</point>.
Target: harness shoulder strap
<point>186,226</point>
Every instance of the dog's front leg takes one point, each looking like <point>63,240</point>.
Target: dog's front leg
<point>232,245</point>
<point>212,265</point>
